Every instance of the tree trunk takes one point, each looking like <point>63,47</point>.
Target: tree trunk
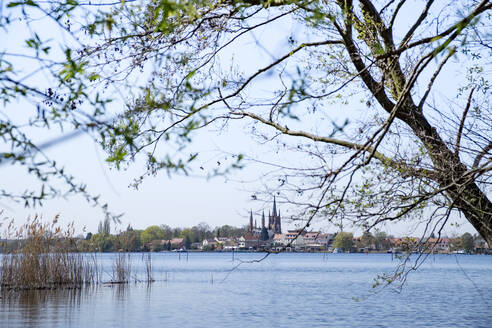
<point>477,208</point>
<point>463,191</point>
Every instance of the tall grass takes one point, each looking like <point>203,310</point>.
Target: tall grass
<point>95,268</point>
<point>45,258</point>
<point>121,269</point>
<point>148,268</point>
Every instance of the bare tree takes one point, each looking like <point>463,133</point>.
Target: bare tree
<point>356,96</point>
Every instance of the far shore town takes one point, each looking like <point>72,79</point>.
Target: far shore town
<point>266,236</point>
<point>269,237</point>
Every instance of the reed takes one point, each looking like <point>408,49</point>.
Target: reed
<point>45,258</point>
<point>121,269</point>
<point>148,268</point>
<point>95,268</point>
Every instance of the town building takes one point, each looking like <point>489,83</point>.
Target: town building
<point>270,236</point>
<point>264,231</point>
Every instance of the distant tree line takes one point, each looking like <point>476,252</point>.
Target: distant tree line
<point>380,241</point>
<point>151,238</point>
<point>161,237</point>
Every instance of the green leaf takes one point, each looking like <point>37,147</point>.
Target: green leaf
<point>93,77</point>
<point>117,157</point>
<point>192,157</point>
<point>21,3</point>
<point>190,74</point>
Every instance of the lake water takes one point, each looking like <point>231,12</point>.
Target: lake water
<point>285,290</point>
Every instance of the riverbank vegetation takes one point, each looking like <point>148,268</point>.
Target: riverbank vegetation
<point>41,255</point>
<point>202,237</point>
<point>155,237</point>
<point>46,256</point>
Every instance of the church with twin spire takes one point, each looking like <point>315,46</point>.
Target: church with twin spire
<point>266,232</point>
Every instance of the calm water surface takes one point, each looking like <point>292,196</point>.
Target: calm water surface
<point>286,290</point>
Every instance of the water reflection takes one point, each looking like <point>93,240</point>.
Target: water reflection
<point>120,291</point>
<point>28,308</point>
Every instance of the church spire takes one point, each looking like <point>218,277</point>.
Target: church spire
<point>274,214</point>
<point>279,223</point>
<point>250,221</point>
<point>263,220</point>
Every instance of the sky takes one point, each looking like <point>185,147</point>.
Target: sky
<point>178,201</point>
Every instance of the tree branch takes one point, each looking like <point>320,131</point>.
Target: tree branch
<point>395,13</point>
<point>462,123</point>
<point>482,7</point>
<point>419,21</point>
<point>433,78</point>
<point>376,89</point>
<point>266,68</point>
<point>422,173</point>
<point>385,33</point>
<point>484,152</point>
